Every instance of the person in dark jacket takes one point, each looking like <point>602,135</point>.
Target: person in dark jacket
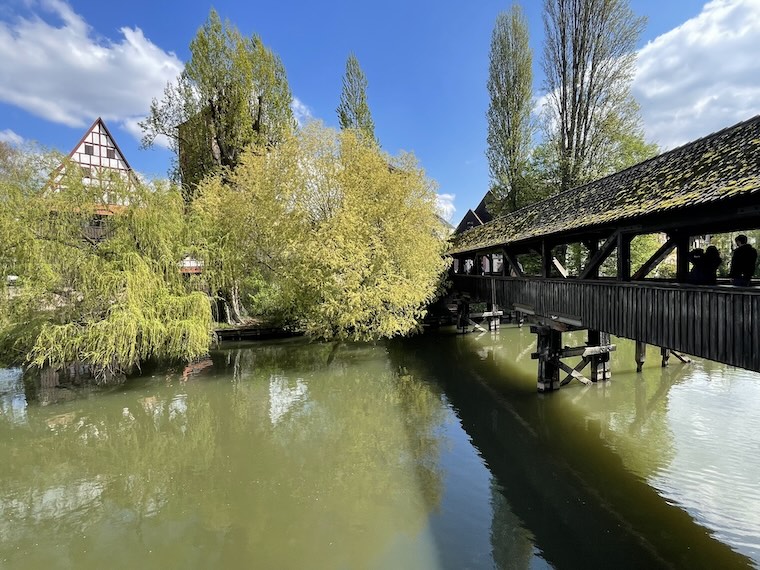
<point>710,263</point>
<point>743,262</point>
<point>704,266</point>
<point>695,274</point>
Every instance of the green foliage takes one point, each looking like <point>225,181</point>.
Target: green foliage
<point>97,283</point>
<point>588,61</point>
<point>591,124</point>
<point>233,92</point>
<point>510,84</point>
<point>337,235</point>
<point>353,111</point>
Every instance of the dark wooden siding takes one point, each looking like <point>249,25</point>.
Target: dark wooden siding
<point>718,323</point>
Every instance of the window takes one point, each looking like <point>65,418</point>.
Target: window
<point>89,149</point>
<point>111,153</point>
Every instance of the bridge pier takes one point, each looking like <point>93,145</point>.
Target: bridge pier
<point>600,363</point>
<point>549,344</point>
<point>665,354</point>
<point>641,355</point>
<point>550,352</point>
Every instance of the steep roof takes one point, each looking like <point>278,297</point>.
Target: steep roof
<point>717,167</point>
<point>477,217</point>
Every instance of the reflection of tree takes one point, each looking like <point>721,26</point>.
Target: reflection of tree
<point>351,457</point>
<point>204,473</point>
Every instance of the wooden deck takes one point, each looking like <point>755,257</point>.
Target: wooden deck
<point>253,332</point>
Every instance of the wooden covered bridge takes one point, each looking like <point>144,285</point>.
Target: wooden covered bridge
<point>710,186</point>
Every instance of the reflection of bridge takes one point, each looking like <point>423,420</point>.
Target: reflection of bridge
<point>709,186</point>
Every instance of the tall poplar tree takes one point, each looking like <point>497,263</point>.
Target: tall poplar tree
<point>588,61</point>
<point>510,129</point>
<point>353,111</point>
<point>232,93</point>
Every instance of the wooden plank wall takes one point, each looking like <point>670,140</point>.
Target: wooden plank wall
<point>719,323</point>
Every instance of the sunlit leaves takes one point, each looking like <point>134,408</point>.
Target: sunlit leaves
<point>340,237</point>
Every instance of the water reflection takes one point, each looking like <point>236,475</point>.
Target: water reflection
<point>271,459</point>
<point>586,460</point>
<point>434,452</point>
<point>12,397</point>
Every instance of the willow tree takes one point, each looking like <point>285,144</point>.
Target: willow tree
<point>232,93</point>
<point>510,129</point>
<point>96,284</point>
<point>588,62</point>
<point>353,110</point>
<point>336,236</point>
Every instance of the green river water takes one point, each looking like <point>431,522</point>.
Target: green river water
<point>431,452</point>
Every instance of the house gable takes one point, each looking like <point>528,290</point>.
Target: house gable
<point>100,159</point>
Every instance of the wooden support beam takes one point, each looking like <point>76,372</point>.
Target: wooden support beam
<point>592,268</point>
<point>665,354</point>
<point>599,348</point>
<point>513,263</point>
<point>655,260</point>
<point>683,358</point>
<point>548,346</point>
<point>641,355</point>
<point>574,372</point>
<point>624,257</point>
<point>560,267</point>
<point>682,257</point>
<point>587,351</point>
<point>546,259</point>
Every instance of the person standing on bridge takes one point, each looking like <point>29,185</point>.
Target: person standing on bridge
<point>743,262</point>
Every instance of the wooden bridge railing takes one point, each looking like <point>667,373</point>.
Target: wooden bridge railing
<point>719,323</point>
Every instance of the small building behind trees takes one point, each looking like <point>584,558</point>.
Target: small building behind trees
<point>474,218</point>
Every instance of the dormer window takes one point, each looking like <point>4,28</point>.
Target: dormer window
<point>89,149</point>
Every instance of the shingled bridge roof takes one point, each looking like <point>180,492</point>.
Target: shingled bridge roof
<point>715,168</point>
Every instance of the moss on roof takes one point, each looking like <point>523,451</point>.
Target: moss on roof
<point>723,165</point>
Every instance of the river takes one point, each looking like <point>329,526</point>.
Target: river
<point>432,452</point>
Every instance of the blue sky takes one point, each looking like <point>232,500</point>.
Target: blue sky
<point>63,64</point>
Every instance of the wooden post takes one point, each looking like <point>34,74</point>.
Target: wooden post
<point>624,257</point>
<point>546,259</point>
<point>549,344</point>
<point>463,315</point>
<point>665,353</point>
<point>682,257</point>
<point>593,249</point>
<point>641,355</point>
<point>600,363</point>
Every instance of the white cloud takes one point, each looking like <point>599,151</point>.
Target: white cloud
<point>301,112</point>
<point>701,76</point>
<point>445,203</point>
<point>132,126</point>
<point>65,73</point>
<point>8,136</point>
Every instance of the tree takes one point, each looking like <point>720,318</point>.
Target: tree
<point>232,93</point>
<point>353,111</point>
<point>335,236</point>
<point>510,130</point>
<point>588,62</point>
<point>109,303</point>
